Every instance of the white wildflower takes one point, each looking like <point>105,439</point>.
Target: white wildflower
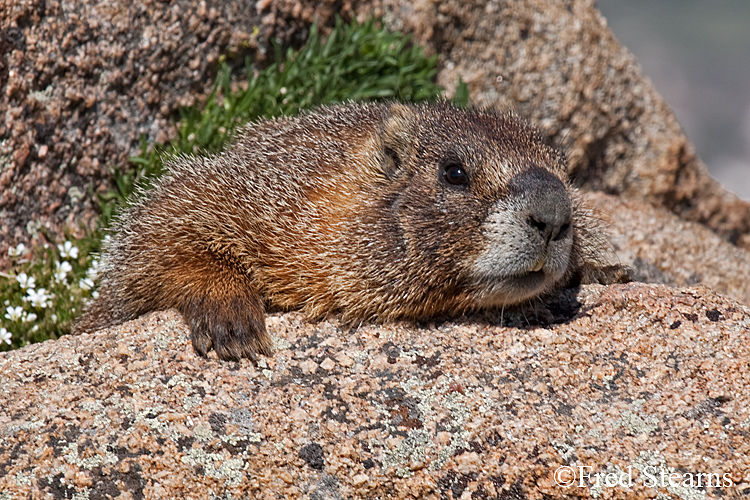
<point>86,284</point>
<point>39,298</point>
<point>26,281</point>
<point>17,251</point>
<point>61,271</point>
<point>5,336</point>
<point>95,294</point>
<point>53,318</point>
<point>68,250</point>
<point>28,318</point>
<point>14,313</point>
<point>93,272</point>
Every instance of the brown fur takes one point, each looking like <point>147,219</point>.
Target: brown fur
<point>346,210</point>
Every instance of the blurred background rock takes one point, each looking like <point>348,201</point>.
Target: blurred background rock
<point>697,54</point>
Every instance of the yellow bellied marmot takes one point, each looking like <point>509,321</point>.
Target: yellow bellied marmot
<point>373,211</point>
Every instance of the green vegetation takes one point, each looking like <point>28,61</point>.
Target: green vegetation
<point>358,62</point>
<point>47,287</point>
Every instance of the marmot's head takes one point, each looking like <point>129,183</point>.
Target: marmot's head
<point>480,201</point>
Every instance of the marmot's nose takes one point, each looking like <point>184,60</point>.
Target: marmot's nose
<point>545,202</point>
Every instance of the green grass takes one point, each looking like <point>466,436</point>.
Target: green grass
<point>357,62</point>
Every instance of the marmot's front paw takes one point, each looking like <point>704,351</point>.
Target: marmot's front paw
<point>233,326</point>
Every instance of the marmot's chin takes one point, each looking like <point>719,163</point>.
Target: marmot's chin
<point>514,289</point>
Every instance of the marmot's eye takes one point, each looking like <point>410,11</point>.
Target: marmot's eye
<point>455,175</point>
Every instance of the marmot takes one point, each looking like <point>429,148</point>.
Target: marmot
<point>372,211</point>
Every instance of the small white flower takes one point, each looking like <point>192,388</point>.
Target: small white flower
<point>26,281</point>
<point>39,298</point>
<point>86,284</point>
<point>93,272</point>
<point>95,294</point>
<point>28,318</point>
<point>18,250</point>
<point>53,317</point>
<point>68,250</point>
<point>61,271</point>
<point>14,313</point>
<point>5,336</point>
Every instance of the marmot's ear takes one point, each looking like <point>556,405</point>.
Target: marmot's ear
<point>401,126</point>
<point>399,138</point>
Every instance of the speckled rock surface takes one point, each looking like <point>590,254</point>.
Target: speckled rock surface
<point>665,249</point>
<point>83,81</point>
<point>641,384</point>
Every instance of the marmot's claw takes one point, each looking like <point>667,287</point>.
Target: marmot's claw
<point>607,275</point>
<point>234,327</point>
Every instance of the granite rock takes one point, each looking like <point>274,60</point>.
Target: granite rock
<point>645,385</point>
<point>83,82</point>
<point>663,248</point>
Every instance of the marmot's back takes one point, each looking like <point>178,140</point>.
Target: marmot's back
<point>376,211</point>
